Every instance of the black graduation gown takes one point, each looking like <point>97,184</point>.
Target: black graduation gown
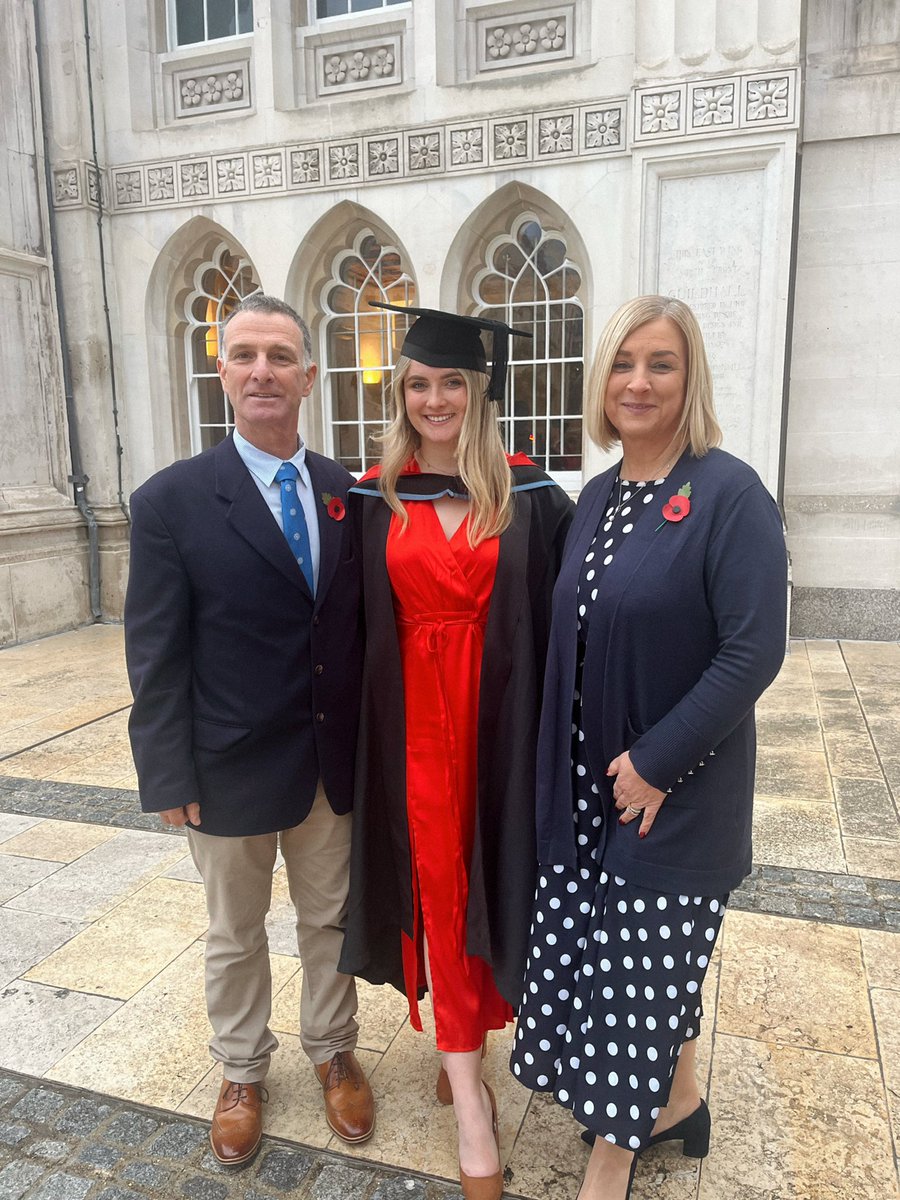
<point>502,871</point>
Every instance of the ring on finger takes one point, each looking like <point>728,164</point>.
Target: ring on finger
<point>635,812</point>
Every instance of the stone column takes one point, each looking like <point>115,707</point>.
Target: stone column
<point>75,127</point>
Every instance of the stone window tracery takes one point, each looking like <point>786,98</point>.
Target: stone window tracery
<point>528,281</point>
<point>360,346</point>
<point>220,284</point>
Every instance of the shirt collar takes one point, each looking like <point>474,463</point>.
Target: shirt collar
<point>264,466</point>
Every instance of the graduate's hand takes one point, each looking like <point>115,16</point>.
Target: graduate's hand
<point>181,816</point>
<point>634,797</point>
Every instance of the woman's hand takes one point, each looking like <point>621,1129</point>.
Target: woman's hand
<point>634,797</point>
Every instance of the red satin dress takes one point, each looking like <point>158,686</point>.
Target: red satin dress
<point>442,590</point>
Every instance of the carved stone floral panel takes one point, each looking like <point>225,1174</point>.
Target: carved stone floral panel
<point>529,37</point>
<point>210,89</point>
<point>357,67</point>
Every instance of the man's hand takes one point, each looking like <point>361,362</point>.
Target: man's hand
<point>181,816</point>
<point>634,797</point>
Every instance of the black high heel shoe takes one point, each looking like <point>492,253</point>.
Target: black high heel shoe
<point>693,1131</point>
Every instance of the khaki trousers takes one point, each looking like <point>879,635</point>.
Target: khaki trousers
<point>237,877</point>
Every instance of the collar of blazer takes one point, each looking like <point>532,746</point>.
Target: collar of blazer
<point>249,516</point>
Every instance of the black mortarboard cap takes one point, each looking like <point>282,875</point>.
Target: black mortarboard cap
<point>441,339</point>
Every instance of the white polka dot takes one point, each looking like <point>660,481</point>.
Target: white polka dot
<point>563,1095</point>
<point>686,928</point>
<point>628,962</point>
<point>294,513</point>
<point>590,1077</point>
<point>630,991</point>
<point>529,1058</point>
<point>548,974</point>
<point>632,1021</point>
<point>610,1019</point>
<point>542,1081</point>
<point>642,934</point>
<point>650,1022</point>
<point>702,960</point>
<point>608,993</point>
<point>622,906</point>
<point>692,985</point>
<point>571,886</point>
<point>626,510</point>
<point>546,1010</point>
<point>588,1107</point>
<point>633,1082</point>
<point>653,1084</point>
<point>627,528</point>
<point>611,1109</point>
<point>652,1053</point>
<point>635,1112</point>
<point>634,1143</point>
<point>665,932</point>
<point>639,905</point>
<point>668,962</point>
<point>612,1049</point>
<point>517,1068</point>
<point>607,544</point>
<point>554,902</point>
<point>661,903</point>
<point>648,497</point>
<point>648,992</point>
<point>673,1022</point>
<point>710,935</point>
<point>671,991</point>
<point>606,563</point>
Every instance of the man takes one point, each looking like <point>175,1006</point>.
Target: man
<point>243,644</point>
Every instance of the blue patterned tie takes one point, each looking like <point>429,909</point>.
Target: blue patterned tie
<point>294,522</point>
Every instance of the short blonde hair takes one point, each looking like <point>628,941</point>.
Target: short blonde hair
<point>699,427</point>
<point>483,466</point>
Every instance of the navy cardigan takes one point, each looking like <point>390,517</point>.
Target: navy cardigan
<point>687,632</point>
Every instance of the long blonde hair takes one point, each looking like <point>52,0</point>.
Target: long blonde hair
<point>698,428</point>
<point>482,460</point>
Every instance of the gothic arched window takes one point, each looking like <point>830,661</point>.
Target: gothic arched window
<point>219,286</point>
<point>361,345</point>
<point>528,281</point>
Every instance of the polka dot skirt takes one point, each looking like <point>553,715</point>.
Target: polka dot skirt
<point>615,970</point>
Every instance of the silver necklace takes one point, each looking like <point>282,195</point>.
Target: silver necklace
<point>611,516</point>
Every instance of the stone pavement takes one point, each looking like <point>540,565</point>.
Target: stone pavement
<point>105,1081</point>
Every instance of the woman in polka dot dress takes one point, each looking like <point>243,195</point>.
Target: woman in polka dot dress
<point>668,623</point>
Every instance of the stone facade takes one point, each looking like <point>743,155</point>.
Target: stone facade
<point>659,144</point>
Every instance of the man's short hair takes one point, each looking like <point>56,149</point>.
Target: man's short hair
<point>272,306</point>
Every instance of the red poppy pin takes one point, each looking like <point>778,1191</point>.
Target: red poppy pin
<point>333,506</point>
<point>678,507</point>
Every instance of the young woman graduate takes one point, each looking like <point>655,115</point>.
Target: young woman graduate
<point>460,546</point>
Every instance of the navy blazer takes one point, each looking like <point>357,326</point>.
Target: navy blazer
<point>246,689</point>
<point>687,632</point>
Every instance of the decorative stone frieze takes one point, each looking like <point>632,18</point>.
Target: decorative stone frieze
<point>524,38</point>
<point>66,186</point>
<point>355,67</point>
<point>76,185</point>
<point>200,89</point>
<point>306,166</point>
<point>719,105</point>
<point>382,158</point>
<point>425,150</point>
<point>703,108</point>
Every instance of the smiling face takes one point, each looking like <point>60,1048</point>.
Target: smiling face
<point>436,399</point>
<point>646,388</point>
<point>263,375</point>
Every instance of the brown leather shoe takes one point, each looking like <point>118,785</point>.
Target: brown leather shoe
<point>237,1122</point>
<point>485,1187</point>
<point>349,1103</point>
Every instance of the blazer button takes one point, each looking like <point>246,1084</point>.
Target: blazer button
<point>320,717</point>
<point>319,669</point>
<point>315,619</point>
